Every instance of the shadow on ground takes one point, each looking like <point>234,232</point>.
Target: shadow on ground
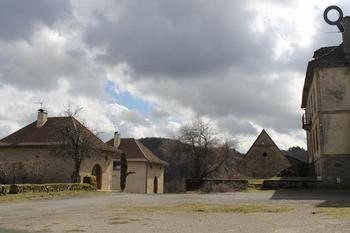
<point>328,198</point>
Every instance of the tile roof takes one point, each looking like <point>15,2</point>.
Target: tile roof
<point>49,133</point>
<point>135,150</point>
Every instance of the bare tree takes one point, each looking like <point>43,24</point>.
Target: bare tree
<point>204,150</point>
<point>75,141</point>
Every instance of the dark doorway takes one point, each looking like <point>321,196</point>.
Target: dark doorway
<point>96,171</point>
<point>155,185</point>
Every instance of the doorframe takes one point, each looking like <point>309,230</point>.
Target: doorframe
<point>99,176</point>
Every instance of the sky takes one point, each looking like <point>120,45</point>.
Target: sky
<point>145,68</point>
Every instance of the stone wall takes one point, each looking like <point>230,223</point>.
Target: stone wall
<point>37,164</point>
<point>336,170</point>
<point>290,184</point>
<point>105,160</point>
<point>216,185</point>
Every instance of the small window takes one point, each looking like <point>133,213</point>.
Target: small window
<point>116,165</point>
<point>264,154</point>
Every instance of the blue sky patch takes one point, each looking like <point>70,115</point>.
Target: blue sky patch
<point>127,100</point>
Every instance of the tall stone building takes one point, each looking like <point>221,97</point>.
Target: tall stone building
<point>326,101</point>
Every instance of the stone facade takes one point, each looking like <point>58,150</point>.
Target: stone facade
<point>326,101</point>
<point>29,155</point>
<point>37,164</point>
<point>264,159</point>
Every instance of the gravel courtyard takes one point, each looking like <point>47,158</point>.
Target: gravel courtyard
<point>258,211</point>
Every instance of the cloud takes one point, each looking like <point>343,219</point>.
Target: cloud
<point>19,18</point>
<point>182,38</point>
<point>240,64</point>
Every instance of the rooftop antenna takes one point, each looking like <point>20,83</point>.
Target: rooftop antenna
<point>115,127</point>
<point>335,22</point>
<point>41,104</point>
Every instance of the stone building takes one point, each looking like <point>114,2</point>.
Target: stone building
<point>264,159</point>
<point>326,101</point>
<point>147,168</point>
<point>27,155</point>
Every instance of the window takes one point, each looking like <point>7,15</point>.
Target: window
<point>116,165</point>
<point>316,138</point>
<point>314,99</point>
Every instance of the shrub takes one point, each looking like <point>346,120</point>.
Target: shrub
<point>90,180</point>
<point>13,189</point>
<point>3,190</point>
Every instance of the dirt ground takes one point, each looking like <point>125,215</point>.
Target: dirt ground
<point>259,211</point>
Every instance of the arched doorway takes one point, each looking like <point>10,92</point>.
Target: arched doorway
<point>96,171</point>
<point>155,185</point>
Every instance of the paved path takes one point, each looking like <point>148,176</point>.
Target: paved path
<point>118,212</point>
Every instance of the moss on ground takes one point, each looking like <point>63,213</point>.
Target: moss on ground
<point>216,208</point>
<point>46,196</point>
<point>336,212</point>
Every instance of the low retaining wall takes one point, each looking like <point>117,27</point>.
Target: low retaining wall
<point>26,188</point>
<point>286,184</point>
<point>216,185</point>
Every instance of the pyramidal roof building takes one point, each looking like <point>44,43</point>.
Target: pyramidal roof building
<point>264,159</point>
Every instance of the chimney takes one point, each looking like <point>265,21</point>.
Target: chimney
<point>116,142</point>
<point>346,36</point>
<point>42,118</point>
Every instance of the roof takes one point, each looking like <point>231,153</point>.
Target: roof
<point>298,159</point>
<point>49,134</point>
<point>263,139</point>
<point>332,56</point>
<point>135,150</point>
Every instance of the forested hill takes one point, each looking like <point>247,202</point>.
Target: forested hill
<point>156,145</point>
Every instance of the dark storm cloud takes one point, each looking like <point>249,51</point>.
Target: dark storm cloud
<point>182,38</point>
<point>18,18</point>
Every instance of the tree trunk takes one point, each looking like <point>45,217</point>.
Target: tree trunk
<point>76,178</point>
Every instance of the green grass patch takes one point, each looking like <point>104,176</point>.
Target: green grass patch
<point>75,230</point>
<point>47,196</point>
<point>336,212</point>
<point>216,208</point>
